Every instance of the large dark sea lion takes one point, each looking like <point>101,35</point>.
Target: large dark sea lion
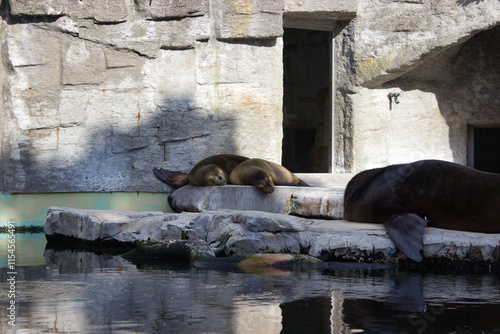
<point>211,171</point>
<point>263,174</point>
<point>403,197</point>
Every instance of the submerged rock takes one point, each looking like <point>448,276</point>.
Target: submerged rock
<point>173,250</point>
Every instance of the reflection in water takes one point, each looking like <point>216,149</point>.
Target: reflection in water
<point>82,292</point>
<point>32,246</point>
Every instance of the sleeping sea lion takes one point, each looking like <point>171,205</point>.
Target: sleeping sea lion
<point>263,174</point>
<point>211,171</point>
<point>403,197</point>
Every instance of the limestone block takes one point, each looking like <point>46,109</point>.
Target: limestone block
<point>338,6</point>
<point>385,134</point>
<point>37,8</point>
<point>35,109</point>
<point>318,205</point>
<point>300,201</point>
<point>397,36</point>
<point>146,37</point>
<point>248,19</point>
<point>72,108</point>
<point>36,79</point>
<point>172,9</point>
<point>91,226</point>
<point>100,10</point>
<point>172,76</point>
<point>108,11</point>
<point>124,70</point>
<point>184,33</point>
<point>230,89</point>
<point>83,63</point>
<point>144,229</point>
<point>30,46</point>
<point>347,243</point>
<point>474,246</point>
<point>239,63</point>
<point>318,15</point>
<point>42,140</point>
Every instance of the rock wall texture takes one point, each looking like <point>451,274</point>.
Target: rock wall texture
<point>97,92</point>
<point>441,54</point>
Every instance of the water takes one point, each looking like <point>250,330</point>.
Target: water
<point>82,292</point>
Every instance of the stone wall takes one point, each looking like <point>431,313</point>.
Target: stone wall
<point>98,92</point>
<point>440,54</point>
<point>95,93</point>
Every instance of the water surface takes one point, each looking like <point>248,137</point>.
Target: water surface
<point>83,292</point>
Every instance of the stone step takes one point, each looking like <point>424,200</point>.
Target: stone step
<point>326,180</point>
<point>324,199</point>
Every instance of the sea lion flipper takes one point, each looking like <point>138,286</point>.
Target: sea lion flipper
<point>406,231</point>
<point>175,179</point>
<point>302,183</point>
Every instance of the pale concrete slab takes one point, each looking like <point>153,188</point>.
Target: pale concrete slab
<point>316,202</point>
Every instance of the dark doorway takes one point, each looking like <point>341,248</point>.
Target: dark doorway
<point>485,146</point>
<point>307,107</point>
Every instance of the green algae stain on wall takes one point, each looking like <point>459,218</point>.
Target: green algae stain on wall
<point>371,67</point>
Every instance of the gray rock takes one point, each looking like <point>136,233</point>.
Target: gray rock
<point>248,19</point>
<point>243,233</point>
<point>318,15</point>
<point>172,9</point>
<point>105,11</point>
<point>95,225</point>
<point>173,250</point>
<point>97,92</point>
<point>301,201</point>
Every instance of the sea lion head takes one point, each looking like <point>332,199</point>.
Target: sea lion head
<point>214,176</point>
<point>263,181</point>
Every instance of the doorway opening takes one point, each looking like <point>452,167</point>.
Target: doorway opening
<point>484,148</point>
<point>307,101</point>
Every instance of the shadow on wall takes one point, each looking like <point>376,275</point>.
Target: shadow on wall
<point>468,2</point>
<point>118,155</point>
<point>465,80</point>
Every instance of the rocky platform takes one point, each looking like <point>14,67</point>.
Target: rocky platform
<point>226,233</point>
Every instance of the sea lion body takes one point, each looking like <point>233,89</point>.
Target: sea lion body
<point>402,197</point>
<point>211,171</point>
<point>263,174</point>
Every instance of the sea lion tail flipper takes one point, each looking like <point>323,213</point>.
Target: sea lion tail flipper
<point>302,183</point>
<point>406,231</point>
<point>175,179</point>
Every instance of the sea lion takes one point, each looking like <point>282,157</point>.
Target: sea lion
<point>263,174</point>
<point>403,197</point>
<point>211,171</point>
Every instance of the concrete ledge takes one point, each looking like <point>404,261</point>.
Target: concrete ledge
<point>243,233</point>
<point>325,203</point>
<point>318,15</point>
